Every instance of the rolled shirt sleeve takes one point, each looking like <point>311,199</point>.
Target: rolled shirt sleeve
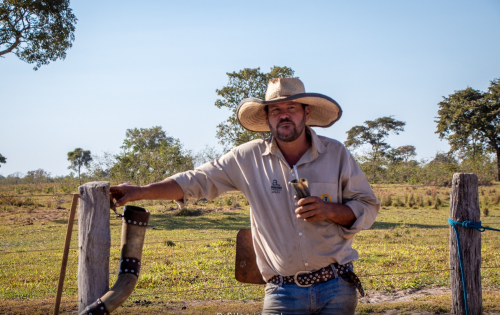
<point>207,181</point>
<point>358,195</point>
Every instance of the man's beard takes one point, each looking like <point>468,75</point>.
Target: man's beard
<point>293,135</point>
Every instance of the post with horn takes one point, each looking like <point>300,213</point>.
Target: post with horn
<point>94,295</point>
<point>94,242</point>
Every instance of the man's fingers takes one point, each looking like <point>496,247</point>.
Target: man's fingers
<point>120,202</point>
<point>121,193</point>
<point>306,215</point>
<point>307,200</point>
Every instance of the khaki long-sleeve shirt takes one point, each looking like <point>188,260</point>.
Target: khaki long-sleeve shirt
<point>284,244</point>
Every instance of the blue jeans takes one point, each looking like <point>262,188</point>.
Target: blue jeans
<point>337,296</point>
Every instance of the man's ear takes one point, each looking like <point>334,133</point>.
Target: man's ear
<point>307,112</point>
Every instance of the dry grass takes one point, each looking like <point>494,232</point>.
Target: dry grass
<point>189,255</point>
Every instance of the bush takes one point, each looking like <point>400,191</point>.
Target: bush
<point>386,201</point>
<point>185,212</point>
<point>485,211</point>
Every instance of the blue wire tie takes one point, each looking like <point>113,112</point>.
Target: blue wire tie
<point>469,225</point>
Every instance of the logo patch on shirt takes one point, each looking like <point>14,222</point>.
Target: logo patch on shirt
<point>275,187</point>
<point>326,197</point>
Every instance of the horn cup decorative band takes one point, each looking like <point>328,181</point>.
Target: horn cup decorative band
<point>135,220</point>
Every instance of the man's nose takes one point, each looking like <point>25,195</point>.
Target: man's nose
<point>284,115</point>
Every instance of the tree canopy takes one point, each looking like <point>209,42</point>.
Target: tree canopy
<point>79,158</point>
<point>3,159</point>
<point>149,155</point>
<point>402,154</point>
<point>36,31</point>
<point>470,120</point>
<point>374,134</point>
<point>243,84</point>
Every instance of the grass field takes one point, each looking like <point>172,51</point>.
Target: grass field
<point>188,259</point>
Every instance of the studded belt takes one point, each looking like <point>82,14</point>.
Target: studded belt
<point>308,278</point>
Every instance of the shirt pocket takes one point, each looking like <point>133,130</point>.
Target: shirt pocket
<point>326,191</point>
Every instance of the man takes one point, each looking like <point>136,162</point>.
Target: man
<point>303,247</point>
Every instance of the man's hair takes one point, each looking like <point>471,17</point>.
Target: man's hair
<point>266,108</point>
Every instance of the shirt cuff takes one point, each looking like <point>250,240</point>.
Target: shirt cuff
<point>364,219</point>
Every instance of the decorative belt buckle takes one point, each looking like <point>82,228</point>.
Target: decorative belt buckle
<point>297,281</point>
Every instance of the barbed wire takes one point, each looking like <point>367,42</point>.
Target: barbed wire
<point>402,273</point>
<point>25,196</point>
<point>116,245</point>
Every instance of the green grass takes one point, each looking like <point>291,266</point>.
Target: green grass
<point>188,258</point>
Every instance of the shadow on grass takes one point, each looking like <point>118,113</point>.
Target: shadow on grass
<point>224,221</point>
<point>391,225</point>
<point>235,221</point>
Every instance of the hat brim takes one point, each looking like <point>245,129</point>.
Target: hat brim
<point>325,111</point>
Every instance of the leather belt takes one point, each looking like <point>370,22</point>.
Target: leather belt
<point>308,278</point>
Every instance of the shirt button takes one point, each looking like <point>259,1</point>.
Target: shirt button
<point>306,264</point>
<point>300,234</point>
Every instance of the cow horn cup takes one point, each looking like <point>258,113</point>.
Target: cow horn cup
<point>135,220</point>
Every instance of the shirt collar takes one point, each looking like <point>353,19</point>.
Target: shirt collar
<point>317,147</point>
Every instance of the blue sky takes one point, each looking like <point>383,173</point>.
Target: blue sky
<point>158,63</point>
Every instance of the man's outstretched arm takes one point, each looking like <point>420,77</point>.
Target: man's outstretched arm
<point>167,189</point>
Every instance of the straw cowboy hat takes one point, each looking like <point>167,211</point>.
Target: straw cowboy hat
<point>252,115</point>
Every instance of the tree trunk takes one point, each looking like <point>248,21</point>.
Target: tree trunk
<point>94,243</point>
<point>464,206</point>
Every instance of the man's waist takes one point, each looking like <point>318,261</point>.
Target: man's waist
<point>324,274</point>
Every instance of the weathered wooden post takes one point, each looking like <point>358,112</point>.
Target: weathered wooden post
<point>94,241</point>
<point>464,206</point>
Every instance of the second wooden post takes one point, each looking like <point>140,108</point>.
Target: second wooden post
<point>464,206</point>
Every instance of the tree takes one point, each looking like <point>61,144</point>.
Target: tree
<point>37,176</point>
<point>101,165</point>
<point>3,160</point>
<point>36,31</point>
<point>243,84</point>
<point>208,154</point>
<point>440,170</point>
<point>374,133</point>
<point>470,120</point>
<point>79,158</point>
<point>149,155</point>
<point>402,154</point>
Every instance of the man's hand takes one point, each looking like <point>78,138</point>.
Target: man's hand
<point>124,193</point>
<point>315,209</point>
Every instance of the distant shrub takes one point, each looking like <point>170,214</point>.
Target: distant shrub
<point>185,212</point>
<point>495,200</point>
<point>485,211</point>
<point>386,201</point>
<point>410,200</point>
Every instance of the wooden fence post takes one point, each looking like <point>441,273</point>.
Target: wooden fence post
<point>94,242</point>
<point>464,206</point>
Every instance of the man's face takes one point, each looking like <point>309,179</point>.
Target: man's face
<point>287,120</point>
